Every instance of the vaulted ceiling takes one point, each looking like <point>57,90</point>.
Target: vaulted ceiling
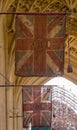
<point>68,6</point>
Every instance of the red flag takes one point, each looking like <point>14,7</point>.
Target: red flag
<point>40,45</point>
<point>37,106</point>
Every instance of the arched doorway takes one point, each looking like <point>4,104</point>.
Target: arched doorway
<point>64,104</point>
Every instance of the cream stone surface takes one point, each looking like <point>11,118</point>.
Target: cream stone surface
<point>2,81</point>
<point>2,108</point>
<point>10,94</point>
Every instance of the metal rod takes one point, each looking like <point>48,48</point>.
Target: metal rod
<point>16,116</point>
<point>32,13</point>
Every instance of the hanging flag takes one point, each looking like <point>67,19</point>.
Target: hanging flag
<point>39,44</point>
<point>37,106</point>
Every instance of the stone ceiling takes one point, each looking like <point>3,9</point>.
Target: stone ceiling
<point>68,6</point>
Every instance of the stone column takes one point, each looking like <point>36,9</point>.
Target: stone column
<point>10,113</point>
<point>18,110</point>
<point>20,120</point>
<point>2,109</point>
<point>2,79</point>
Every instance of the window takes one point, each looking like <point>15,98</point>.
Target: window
<point>64,102</point>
